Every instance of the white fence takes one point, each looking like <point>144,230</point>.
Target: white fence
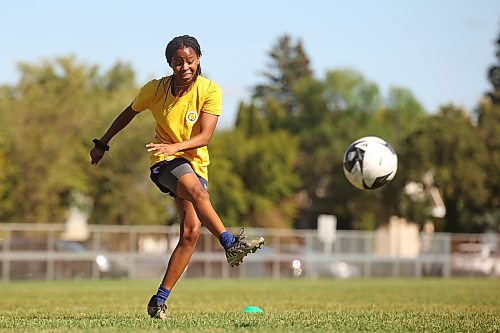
<point>43,251</point>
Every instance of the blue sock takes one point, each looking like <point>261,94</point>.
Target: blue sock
<point>162,295</point>
<point>226,239</point>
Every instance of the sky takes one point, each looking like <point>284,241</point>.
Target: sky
<point>438,49</point>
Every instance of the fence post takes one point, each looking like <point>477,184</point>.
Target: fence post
<point>368,254</point>
<point>96,240</point>
<point>5,252</point>
<point>447,255</point>
<point>50,255</point>
<point>336,245</point>
<point>207,264</point>
<point>132,251</point>
<point>421,254</point>
<point>396,262</point>
<point>275,262</point>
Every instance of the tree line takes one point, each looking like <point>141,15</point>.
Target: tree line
<point>280,166</point>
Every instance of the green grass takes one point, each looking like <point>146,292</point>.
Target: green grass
<point>384,305</point>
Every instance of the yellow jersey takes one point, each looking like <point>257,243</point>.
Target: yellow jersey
<point>177,117</point>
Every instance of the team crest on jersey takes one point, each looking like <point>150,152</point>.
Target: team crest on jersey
<point>191,117</point>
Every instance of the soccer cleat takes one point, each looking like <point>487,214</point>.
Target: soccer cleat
<point>241,247</point>
<point>157,311</point>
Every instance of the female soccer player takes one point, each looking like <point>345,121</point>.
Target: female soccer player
<point>186,107</point>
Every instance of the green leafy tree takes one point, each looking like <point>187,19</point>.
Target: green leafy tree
<point>250,120</point>
<point>289,63</point>
<point>269,150</point>
<point>227,189</point>
<point>6,164</point>
<point>488,128</point>
<point>400,116</point>
<point>488,123</point>
<point>253,175</point>
<point>348,90</point>
<point>324,117</point>
<point>53,112</point>
<point>494,77</point>
<point>43,110</point>
<point>450,146</point>
<point>339,110</point>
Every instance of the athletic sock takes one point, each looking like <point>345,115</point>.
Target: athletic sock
<point>162,295</point>
<point>226,239</point>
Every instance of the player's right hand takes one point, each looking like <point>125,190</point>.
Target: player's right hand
<point>96,154</point>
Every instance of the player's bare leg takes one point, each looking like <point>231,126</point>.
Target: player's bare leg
<point>190,227</point>
<point>189,233</point>
<point>189,188</point>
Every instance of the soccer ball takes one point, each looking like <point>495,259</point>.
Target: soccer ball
<point>370,163</point>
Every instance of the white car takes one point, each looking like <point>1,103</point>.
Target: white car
<point>476,258</point>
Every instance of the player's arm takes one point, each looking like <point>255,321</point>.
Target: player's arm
<point>121,121</point>
<point>208,124</point>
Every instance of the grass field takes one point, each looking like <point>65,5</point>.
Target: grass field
<point>384,305</point>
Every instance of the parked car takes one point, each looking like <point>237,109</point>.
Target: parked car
<point>327,268</point>
<point>297,261</point>
<point>107,267</point>
<point>476,258</point>
<point>78,266</point>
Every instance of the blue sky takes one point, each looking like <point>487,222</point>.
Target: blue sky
<point>439,50</point>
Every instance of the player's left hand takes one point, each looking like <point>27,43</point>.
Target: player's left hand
<point>162,148</point>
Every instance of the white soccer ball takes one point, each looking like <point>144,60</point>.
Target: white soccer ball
<point>370,163</point>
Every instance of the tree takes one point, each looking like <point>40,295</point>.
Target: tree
<point>400,116</point>
<point>53,113</point>
<point>450,146</point>
<point>250,120</point>
<point>494,77</point>
<point>488,124</point>
<point>6,163</point>
<point>252,175</point>
<point>340,109</point>
<point>348,90</point>
<point>267,149</point>
<point>43,110</point>
<point>288,65</point>
<point>325,117</point>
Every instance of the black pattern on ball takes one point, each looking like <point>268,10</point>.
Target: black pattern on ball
<point>353,155</point>
<point>378,183</point>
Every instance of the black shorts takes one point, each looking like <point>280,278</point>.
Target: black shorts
<point>166,174</point>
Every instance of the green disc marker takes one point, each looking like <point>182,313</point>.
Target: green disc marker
<point>253,309</point>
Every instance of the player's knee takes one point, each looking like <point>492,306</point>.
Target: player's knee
<point>190,236</point>
<point>200,195</point>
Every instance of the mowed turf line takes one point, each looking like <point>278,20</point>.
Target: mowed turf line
<point>383,305</point>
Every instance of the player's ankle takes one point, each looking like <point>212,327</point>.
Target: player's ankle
<point>226,239</point>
